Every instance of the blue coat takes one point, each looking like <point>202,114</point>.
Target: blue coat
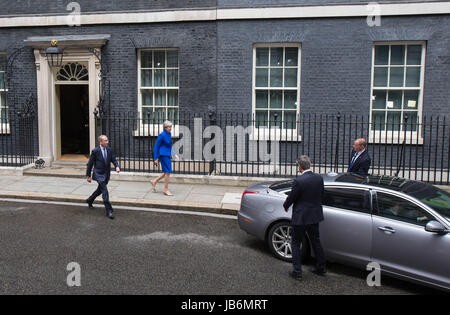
<point>163,145</point>
<point>306,196</point>
<point>102,168</point>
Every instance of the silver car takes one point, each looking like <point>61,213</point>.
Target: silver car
<point>401,224</point>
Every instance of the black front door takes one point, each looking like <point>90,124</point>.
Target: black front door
<point>74,101</point>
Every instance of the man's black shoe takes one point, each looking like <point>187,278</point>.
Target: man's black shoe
<point>89,204</point>
<point>110,215</point>
<point>295,276</point>
<point>319,272</point>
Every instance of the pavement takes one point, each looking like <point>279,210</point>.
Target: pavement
<point>187,196</point>
<point>214,194</point>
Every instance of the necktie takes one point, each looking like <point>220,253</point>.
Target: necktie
<point>352,162</point>
<point>104,153</point>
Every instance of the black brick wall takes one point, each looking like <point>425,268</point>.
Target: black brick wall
<point>336,60</point>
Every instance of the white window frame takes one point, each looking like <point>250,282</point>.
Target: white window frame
<point>391,136</point>
<point>267,133</point>
<point>146,130</point>
<point>4,127</point>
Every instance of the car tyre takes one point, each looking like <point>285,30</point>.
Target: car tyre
<point>279,237</point>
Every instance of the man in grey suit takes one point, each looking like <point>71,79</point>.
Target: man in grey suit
<point>307,212</point>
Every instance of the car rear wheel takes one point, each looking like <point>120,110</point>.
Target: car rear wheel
<point>279,241</point>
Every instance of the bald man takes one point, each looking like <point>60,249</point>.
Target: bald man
<point>100,160</point>
<point>360,159</point>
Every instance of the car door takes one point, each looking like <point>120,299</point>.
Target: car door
<point>346,231</point>
<point>402,246</point>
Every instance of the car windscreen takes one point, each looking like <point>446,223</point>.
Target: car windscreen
<point>435,198</point>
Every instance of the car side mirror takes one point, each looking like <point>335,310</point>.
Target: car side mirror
<point>436,227</point>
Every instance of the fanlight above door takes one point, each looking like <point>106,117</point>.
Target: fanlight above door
<point>72,72</point>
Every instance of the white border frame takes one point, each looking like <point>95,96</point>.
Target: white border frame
<point>387,137</point>
<point>282,134</point>
<point>145,130</point>
<point>4,127</point>
<point>217,14</point>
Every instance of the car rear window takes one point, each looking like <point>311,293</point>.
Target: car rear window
<point>347,198</point>
<point>280,186</point>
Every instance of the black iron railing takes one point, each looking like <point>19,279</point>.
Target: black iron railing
<point>241,145</point>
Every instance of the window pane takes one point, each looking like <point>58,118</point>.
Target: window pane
<point>2,80</point>
<point>160,97</point>
<point>2,62</point>
<point>397,55</point>
<point>414,54</point>
<point>160,59</point>
<point>3,116</point>
<point>381,55</point>
<point>413,76</point>
<point>172,78</point>
<point>262,57</point>
<point>146,59</point>
<point>262,77</point>
<point>147,115</point>
<point>172,98</point>
<point>276,100</point>
<point>262,99</point>
<point>411,124</point>
<point>172,115</point>
<point>289,119</point>
<point>411,100</point>
<point>3,99</point>
<point>276,77</point>
<point>261,118</point>
<point>393,121</point>
<point>276,57</point>
<point>147,97</point>
<point>291,58</point>
<point>146,78</point>
<point>394,100</point>
<point>380,77</point>
<point>396,77</point>
<point>380,100</point>
<point>172,59</point>
<point>275,119</point>
<point>290,99</point>
<point>160,77</point>
<point>378,120</point>
<point>348,199</point>
<point>401,210</point>
<point>290,77</point>
<point>160,115</point>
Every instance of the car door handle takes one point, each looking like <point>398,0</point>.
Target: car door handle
<point>386,229</point>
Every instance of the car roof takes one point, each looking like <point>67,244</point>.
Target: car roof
<point>404,185</point>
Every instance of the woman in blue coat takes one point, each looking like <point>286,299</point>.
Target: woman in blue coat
<point>162,153</point>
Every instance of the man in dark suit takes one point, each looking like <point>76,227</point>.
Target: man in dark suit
<point>360,159</point>
<point>307,212</point>
<point>101,159</point>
